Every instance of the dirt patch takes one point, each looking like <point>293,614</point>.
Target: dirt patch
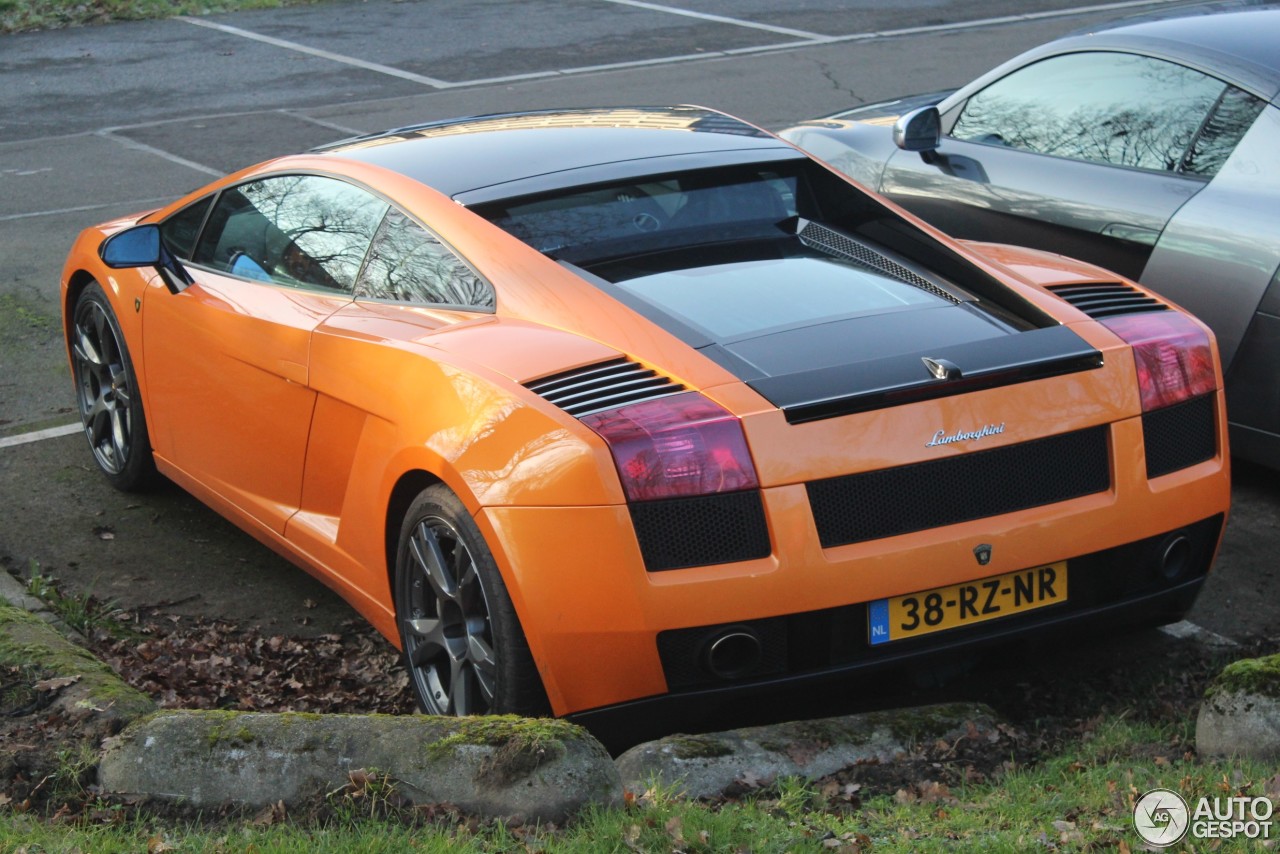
<point>927,773</point>
<point>47,755</point>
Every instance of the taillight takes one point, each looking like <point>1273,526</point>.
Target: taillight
<point>1172,353</point>
<point>676,446</point>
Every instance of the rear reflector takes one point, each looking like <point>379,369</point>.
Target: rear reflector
<point>676,446</point>
<point>1172,353</point>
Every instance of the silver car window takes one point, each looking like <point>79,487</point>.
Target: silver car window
<point>1112,108</point>
<point>1236,112</point>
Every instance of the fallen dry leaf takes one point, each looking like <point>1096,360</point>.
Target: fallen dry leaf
<point>57,683</point>
<point>675,829</point>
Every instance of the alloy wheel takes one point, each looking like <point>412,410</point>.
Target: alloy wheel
<point>103,385</point>
<point>447,629</point>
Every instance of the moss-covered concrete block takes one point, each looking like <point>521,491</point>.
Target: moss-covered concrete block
<point>707,765</point>
<point>1240,715</point>
<point>96,692</point>
<point>500,766</point>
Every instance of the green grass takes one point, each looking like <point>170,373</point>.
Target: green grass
<point>82,612</point>
<point>22,15</point>
<point>1079,800</point>
<point>16,313</point>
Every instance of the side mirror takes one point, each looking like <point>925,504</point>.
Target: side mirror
<point>141,246</point>
<point>134,247</point>
<point>918,130</point>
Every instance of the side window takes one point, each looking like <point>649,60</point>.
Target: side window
<point>1111,108</point>
<point>296,230</point>
<point>1234,115</point>
<point>179,231</point>
<point>408,264</point>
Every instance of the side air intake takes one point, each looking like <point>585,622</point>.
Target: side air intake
<point>1107,299</point>
<point>606,385</point>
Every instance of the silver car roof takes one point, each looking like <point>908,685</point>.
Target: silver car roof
<point>1240,47</point>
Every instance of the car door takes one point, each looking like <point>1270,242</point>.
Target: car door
<point>227,357</point>
<point>1086,153</point>
<point>366,360</point>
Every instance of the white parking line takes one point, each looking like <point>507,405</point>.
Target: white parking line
<point>159,152</point>
<point>132,204</point>
<point>1186,630</point>
<point>721,19</point>
<point>323,54</point>
<point>807,39</point>
<point>322,123</point>
<point>38,435</point>
<point>1003,19</point>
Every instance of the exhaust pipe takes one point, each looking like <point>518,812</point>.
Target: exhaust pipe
<point>733,653</point>
<point>1175,556</point>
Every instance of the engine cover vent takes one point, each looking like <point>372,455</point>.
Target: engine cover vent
<point>1107,299</point>
<point>606,385</point>
<point>851,249</point>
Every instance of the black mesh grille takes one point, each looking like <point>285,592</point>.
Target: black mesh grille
<point>815,234</point>
<point>683,532</point>
<point>1181,435</point>
<point>583,391</point>
<point>1107,299</point>
<point>888,502</point>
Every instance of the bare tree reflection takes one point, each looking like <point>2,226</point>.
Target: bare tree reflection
<point>298,229</point>
<point>407,263</point>
<point>1109,108</point>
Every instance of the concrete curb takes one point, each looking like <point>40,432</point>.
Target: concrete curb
<point>1240,715</point>
<point>89,689</point>
<point>502,767</point>
<point>708,765</point>
<point>13,591</point>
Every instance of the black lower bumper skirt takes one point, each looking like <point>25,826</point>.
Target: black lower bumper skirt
<point>1112,591</point>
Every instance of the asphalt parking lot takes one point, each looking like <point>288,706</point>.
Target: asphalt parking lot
<point>103,121</point>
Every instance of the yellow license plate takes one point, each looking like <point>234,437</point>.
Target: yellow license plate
<point>966,604</point>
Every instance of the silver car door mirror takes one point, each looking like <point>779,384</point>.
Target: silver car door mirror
<point>918,130</point>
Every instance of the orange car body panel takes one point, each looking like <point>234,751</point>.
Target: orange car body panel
<point>345,398</point>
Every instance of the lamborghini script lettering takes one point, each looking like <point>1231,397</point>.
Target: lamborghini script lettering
<point>941,437</point>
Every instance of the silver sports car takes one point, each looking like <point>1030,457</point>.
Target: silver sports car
<point>1150,148</point>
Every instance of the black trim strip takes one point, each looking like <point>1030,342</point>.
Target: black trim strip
<point>881,383</point>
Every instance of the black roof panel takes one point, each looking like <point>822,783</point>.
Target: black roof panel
<point>463,155</point>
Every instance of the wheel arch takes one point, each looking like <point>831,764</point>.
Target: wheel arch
<point>406,488</point>
<point>76,283</point>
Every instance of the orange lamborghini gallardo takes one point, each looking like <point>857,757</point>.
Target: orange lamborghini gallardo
<point>602,410</point>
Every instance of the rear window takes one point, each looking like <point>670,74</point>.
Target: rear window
<point>740,299</point>
<point>592,223</point>
<point>736,250</point>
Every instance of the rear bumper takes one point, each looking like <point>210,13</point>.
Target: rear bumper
<point>608,634</point>
<point>725,705</point>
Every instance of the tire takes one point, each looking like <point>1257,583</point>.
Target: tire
<point>107,395</point>
<point>463,646</point>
